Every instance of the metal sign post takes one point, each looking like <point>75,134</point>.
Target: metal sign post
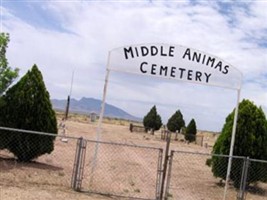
<point>231,147</point>
<point>99,126</point>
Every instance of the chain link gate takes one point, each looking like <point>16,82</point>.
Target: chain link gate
<point>189,177</point>
<point>116,169</point>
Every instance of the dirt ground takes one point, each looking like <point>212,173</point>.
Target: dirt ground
<point>48,177</point>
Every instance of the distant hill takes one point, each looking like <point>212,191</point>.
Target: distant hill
<point>88,105</point>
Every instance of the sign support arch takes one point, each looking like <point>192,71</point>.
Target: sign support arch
<point>178,63</point>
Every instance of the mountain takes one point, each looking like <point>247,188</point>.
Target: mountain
<point>88,105</point>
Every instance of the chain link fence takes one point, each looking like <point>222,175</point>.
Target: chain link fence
<point>130,171</point>
<point>52,170</point>
<point>122,170</point>
<point>257,190</point>
<point>84,165</point>
<point>190,177</point>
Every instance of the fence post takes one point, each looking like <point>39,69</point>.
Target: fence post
<point>77,174</point>
<point>244,176</point>
<point>159,173</point>
<point>169,176</point>
<point>165,164</point>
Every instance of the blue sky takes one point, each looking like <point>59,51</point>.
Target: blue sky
<point>66,36</point>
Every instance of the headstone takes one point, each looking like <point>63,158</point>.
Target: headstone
<point>93,116</point>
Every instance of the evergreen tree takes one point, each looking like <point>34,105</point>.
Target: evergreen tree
<point>191,131</point>
<point>3,138</point>
<point>152,121</point>
<point>176,122</point>
<point>250,141</point>
<point>27,106</point>
<point>7,75</point>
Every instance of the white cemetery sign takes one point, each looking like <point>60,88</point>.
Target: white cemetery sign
<point>175,62</point>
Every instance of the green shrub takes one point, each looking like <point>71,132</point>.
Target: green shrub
<point>250,141</point>
<point>27,106</point>
<point>191,131</point>
<point>152,121</point>
<point>176,122</point>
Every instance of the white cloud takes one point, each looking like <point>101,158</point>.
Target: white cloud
<point>96,27</point>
